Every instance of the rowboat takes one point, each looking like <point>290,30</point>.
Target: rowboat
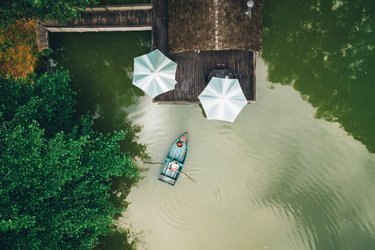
<point>175,160</point>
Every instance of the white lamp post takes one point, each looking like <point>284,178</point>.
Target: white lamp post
<point>249,4</point>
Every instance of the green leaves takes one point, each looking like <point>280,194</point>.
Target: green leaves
<point>17,224</point>
<point>47,100</point>
<point>62,10</point>
<point>55,171</point>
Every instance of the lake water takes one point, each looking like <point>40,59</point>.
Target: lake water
<point>277,178</point>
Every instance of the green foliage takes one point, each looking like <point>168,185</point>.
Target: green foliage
<point>46,52</point>
<point>56,173</point>
<point>56,101</point>
<point>18,50</point>
<point>62,10</point>
<point>47,99</point>
<point>117,240</point>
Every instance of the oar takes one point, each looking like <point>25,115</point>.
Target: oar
<point>181,172</point>
<point>153,162</point>
<point>161,163</point>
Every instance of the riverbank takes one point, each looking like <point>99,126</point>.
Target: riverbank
<point>100,65</point>
<point>19,59</point>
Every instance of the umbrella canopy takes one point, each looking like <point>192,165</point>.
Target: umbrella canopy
<point>154,73</point>
<point>222,99</point>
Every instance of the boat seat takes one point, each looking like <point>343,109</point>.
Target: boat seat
<point>167,179</point>
<point>170,173</point>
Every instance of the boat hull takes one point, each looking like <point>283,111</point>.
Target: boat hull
<point>175,160</point>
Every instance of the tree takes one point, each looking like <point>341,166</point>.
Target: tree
<point>18,52</point>
<point>62,10</point>
<point>55,181</point>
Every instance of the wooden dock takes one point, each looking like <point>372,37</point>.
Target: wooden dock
<point>110,18</point>
<point>193,67</point>
<point>193,71</point>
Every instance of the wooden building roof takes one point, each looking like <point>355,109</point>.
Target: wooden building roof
<point>204,35</point>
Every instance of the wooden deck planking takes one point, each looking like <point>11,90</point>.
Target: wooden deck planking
<point>108,18</point>
<point>193,69</point>
<point>214,25</point>
<point>42,40</point>
<point>160,25</point>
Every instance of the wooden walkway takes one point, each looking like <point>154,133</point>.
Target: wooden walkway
<point>116,18</point>
<point>160,26</point>
<point>193,68</point>
<point>193,71</point>
<point>42,42</point>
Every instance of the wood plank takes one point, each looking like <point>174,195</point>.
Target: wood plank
<point>126,17</point>
<point>42,41</point>
<point>121,7</point>
<point>193,69</point>
<point>160,25</point>
<point>99,29</point>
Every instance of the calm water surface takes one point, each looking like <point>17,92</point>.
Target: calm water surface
<point>277,178</point>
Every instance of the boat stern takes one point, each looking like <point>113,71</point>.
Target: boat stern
<point>170,171</point>
<point>167,179</point>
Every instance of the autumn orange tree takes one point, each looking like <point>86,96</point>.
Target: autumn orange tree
<point>18,49</point>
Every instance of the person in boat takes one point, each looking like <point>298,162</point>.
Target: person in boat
<point>173,166</point>
<point>179,144</point>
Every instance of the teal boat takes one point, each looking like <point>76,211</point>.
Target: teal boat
<point>175,160</point>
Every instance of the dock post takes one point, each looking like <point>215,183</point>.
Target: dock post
<point>42,42</point>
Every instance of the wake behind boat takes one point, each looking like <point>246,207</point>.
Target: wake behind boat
<point>175,160</point>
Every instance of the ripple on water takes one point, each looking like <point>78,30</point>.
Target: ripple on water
<point>191,202</point>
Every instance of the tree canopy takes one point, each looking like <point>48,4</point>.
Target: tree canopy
<point>63,10</point>
<point>18,53</point>
<point>55,171</point>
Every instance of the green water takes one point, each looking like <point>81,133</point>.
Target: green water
<point>278,178</point>
<point>326,50</point>
<point>100,66</point>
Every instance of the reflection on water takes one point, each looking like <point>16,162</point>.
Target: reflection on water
<point>115,240</point>
<point>277,178</point>
<point>101,67</point>
<point>326,50</point>
<point>202,200</point>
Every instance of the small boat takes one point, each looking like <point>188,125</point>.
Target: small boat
<point>175,160</point>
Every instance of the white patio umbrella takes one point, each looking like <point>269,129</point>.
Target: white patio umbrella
<point>222,99</point>
<point>154,73</point>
